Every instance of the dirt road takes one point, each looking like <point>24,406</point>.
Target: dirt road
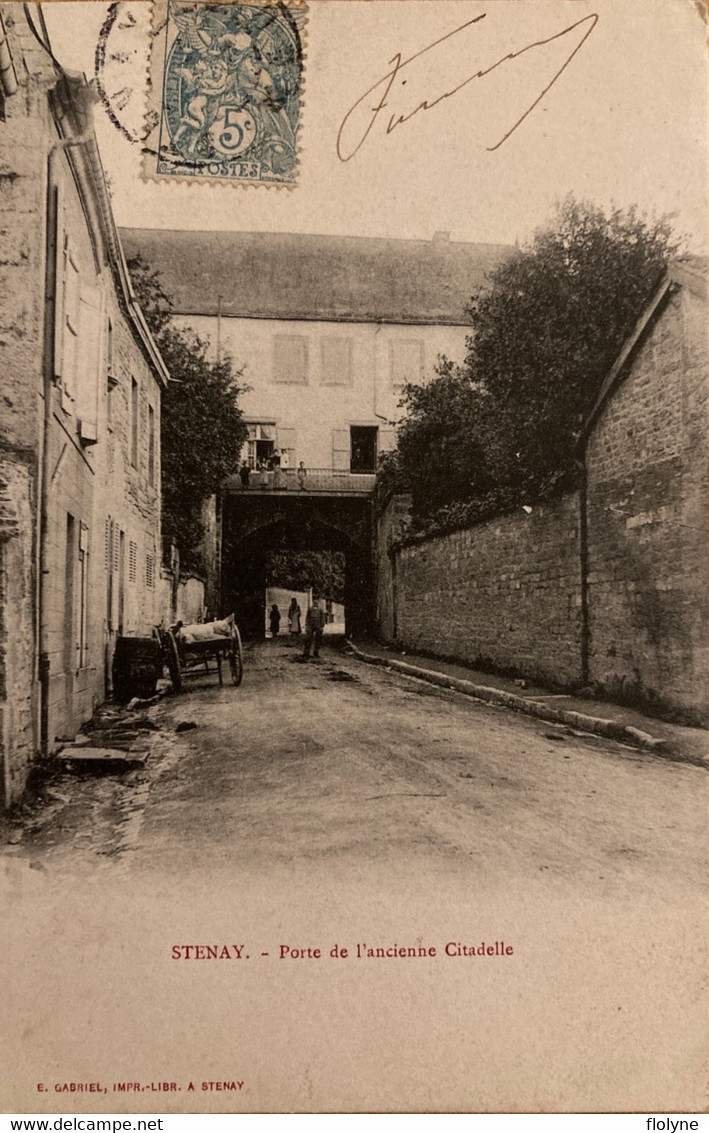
<point>328,805</point>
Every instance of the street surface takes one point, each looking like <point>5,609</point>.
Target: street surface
<point>336,762</point>
<point>329,802</point>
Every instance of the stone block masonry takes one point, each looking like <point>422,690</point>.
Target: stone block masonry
<point>648,493</point>
<point>504,594</point>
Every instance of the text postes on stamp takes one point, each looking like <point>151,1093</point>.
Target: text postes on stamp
<point>226,93</point>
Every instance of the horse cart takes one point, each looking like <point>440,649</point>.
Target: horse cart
<point>188,649</point>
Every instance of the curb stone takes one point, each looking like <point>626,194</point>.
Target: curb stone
<point>610,729</point>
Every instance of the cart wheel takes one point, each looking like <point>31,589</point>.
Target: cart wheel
<point>173,662</point>
<point>236,658</point>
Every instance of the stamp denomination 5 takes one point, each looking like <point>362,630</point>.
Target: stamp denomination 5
<point>226,92</point>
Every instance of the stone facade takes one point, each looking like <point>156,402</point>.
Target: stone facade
<point>607,586</point>
<point>313,414</point>
<point>328,329</point>
<point>80,414</point>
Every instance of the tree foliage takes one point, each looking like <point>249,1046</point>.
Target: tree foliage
<point>299,570</point>
<point>502,428</point>
<point>202,427</point>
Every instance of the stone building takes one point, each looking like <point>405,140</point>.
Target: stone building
<point>329,329</point>
<point>607,586</point>
<point>647,568</point>
<point>80,413</point>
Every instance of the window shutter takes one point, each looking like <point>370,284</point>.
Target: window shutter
<point>336,361</point>
<point>89,370</point>
<point>387,440</point>
<point>59,263</point>
<point>341,450</point>
<point>407,360</point>
<point>71,304</point>
<point>290,359</point>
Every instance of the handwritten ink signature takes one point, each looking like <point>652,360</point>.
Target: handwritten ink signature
<point>384,86</point>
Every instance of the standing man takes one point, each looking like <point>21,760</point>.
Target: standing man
<point>314,626</point>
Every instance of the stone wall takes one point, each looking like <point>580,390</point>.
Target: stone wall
<point>508,593</point>
<point>18,690</point>
<point>504,594</point>
<point>391,524</point>
<point>648,501</point>
<point>25,137</point>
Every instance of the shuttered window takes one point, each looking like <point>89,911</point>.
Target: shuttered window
<point>336,361</point>
<point>290,359</point>
<point>406,358</point>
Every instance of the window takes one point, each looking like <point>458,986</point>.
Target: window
<point>261,442</point>
<point>132,562</point>
<point>290,359</point>
<point>150,571</point>
<point>363,448</point>
<point>406,358</point>
<point>134,422</point>
<point>336,361</point>
<point>151,445</point>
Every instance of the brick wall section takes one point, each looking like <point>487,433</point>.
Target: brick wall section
<point>648,494</point>
<point>504,593</point>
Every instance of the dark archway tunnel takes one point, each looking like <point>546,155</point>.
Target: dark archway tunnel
<point>254,527</point>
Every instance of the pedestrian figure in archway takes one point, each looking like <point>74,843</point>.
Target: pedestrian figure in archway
<point>294,617</point>
<point>275,620</point>
<point>314,625</point>
<point>301,473</point>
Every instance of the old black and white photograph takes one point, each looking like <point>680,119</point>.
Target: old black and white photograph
<point>354,568</point>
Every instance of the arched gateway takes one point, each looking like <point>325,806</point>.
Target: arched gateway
<point>331,518</point>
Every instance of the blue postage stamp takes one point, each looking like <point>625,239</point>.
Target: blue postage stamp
<point>228,83</point>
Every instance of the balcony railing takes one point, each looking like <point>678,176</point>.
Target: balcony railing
<point>315,480</point>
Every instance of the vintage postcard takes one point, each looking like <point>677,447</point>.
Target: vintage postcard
<point>353,579</point>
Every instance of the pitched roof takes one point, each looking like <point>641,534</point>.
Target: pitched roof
<point>344,278</point>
